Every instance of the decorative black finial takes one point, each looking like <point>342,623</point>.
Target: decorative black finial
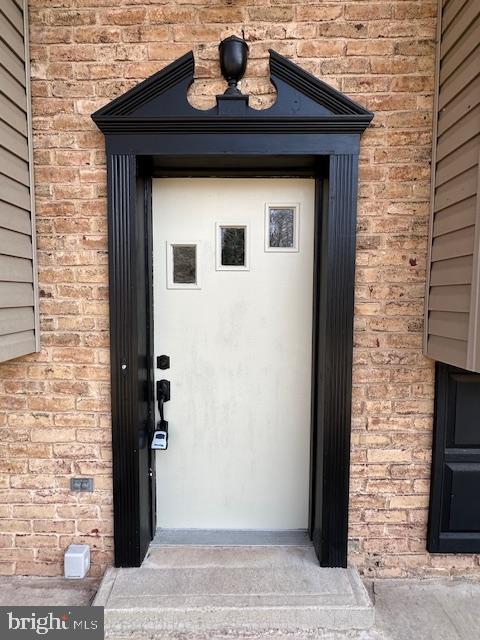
<point>233,62</point>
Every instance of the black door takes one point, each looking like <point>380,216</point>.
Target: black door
<point>454,519</point>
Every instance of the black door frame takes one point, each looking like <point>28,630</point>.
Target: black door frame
<point>150,131</point>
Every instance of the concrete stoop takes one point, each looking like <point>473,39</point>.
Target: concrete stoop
<point>234,592</point>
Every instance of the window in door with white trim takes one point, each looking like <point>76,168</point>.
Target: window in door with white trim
<point>281,227</point>
<point>182,266</point>
<point>232,252</point>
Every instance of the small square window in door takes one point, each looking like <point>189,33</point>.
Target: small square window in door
<point>232,247</point>
<point>182,266</point>
<point>281,227</point>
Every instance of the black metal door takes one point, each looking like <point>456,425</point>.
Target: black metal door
<point>454,519</point>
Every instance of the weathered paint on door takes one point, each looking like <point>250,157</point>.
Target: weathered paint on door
<point>239,341</point>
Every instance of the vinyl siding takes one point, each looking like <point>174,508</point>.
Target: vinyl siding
<point>452,312</point>
<point>19,333</point>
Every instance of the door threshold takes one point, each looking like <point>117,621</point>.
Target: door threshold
<point>232,537</point>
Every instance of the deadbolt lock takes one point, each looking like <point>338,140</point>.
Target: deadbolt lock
<point>163,362</point>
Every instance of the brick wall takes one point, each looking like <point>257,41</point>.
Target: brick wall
<point>55,405</point>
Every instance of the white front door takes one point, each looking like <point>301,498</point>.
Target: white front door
<point>233,280</point>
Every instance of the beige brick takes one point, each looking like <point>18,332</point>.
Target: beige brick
<point>319,48</point>
<point>368,10</point>
<point>317,13</point>
<point>386,546</point>
<point>389,455</point>
<point>32,481</point>
<point>29,450</point>
<point>12,466</point>
<point>8,568</point>
<point>127,16</point>
<point>34,511</point>
<point>38,569</point>
<point>224,15</point>
<point>53,435</point>
<point>6,540</point>
<point>94,34</point>
<point>174,14</point>
<point>386,515</point>
<point>14,525</point>
<point>271,14</point>
<point>75,451</point>
<point>408,502</point>
<point>71,18</point>
<point>78,511</point>
<point>76,419</point>
<point>50,466</point>
<point>53,526</point>
<point>15,554</point>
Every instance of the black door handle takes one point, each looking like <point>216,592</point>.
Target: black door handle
<point>163,390</point>
<point>163,395</point>
<point>160,438</point>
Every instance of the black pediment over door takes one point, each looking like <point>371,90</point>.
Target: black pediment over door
<point>304,103</point>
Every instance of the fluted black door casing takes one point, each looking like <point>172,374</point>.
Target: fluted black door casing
<point>130,252</point>
<point>336,269</point>
<point>311,130</point>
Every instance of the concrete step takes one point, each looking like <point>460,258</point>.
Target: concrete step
<point>209,590</point>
